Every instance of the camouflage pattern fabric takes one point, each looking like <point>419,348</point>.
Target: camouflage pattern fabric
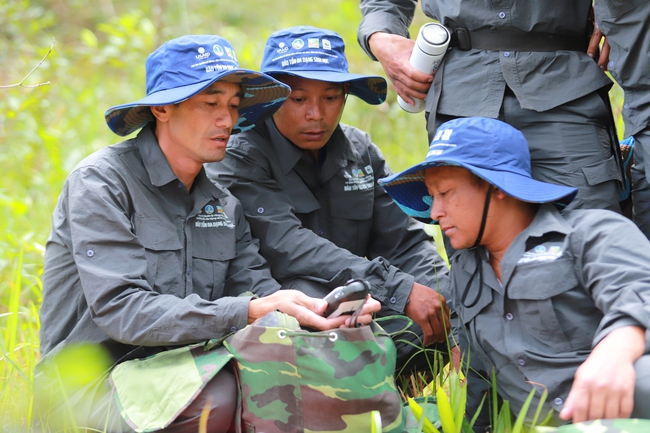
<point>601,426</point>
<point>292,380</point>
<point>151,392</point>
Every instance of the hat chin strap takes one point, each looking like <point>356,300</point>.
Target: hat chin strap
<point>479,267</point>
<point>486,207</point>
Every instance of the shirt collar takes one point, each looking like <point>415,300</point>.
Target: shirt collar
<point>288,153</point>
<point>547,220</point>
<point>339,150</point>
<point>153,158</point>
<point>160,172</point>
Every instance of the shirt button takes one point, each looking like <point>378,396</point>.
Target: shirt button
<point>180,184</point>
<point>502,15</point>
<point>506,54</point>
<point>510,316</point>
<point>189,271</point>
<point>558,401</point>
<point>521,362</point>
<point>320,233</point>
<point>260,210</point>
<point>393,300</point>
<point>626,106</point>
<point>610,65</point>
<point>233,328</point>
<point>90,253</point>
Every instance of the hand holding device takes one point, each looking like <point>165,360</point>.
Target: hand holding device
<point>346,299</point>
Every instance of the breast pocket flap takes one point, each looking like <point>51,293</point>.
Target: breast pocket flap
<point>539,281</point>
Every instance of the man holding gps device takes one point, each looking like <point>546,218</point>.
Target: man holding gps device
<point>308,187</point>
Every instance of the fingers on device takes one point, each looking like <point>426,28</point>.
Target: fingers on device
<point>346,299</point>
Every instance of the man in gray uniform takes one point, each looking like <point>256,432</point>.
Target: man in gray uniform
<point>308,188</point>
<point>520,61</point>
<point>556,301</point>
<point>146,253</point>
<point>627,26</point>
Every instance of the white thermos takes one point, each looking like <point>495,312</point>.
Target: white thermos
<point>429,50</point>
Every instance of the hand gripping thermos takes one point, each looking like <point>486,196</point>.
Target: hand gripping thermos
<point>429,50</point>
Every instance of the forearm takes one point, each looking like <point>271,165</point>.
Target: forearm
<point>294,252</point>
<point>626,344</point>
<point>392,17</point>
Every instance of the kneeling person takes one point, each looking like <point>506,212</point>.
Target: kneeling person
<point>308,185</point>
<point>146,254</point>
<point>559,300</point>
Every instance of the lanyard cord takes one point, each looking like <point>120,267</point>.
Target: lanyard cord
<point>477,256</point>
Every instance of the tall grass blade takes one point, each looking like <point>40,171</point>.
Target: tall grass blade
<point>14,303</point>
<point>446,414</point>
<point>425,425</point>
<point>519,422</point>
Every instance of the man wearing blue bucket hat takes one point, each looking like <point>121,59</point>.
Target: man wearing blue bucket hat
<point>308,187</point>
<point>557,300</point>
<point>146,254</point>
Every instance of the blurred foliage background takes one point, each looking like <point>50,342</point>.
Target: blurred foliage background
<point>97,61</point>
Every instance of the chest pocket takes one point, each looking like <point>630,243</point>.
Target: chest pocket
<point>163,249</point>
<point>212,250</point>
<point>547,295</point>
<point>351,216</point>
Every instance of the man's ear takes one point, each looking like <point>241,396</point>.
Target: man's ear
<point>498,193</point>
<point>161,112</point>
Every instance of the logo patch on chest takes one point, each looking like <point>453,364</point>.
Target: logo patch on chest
<point>212,216</point>
<point>358,179</point>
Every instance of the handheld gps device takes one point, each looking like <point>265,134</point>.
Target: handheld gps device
<point>347,298</point>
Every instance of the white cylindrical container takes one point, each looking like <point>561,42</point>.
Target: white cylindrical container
<point>429,49</point>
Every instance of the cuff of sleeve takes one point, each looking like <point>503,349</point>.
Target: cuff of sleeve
<point>379,22</point>
<point>402,283</point>
<point>620,323</point>
<point>239,307</point>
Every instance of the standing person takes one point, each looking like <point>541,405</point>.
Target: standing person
<point>308,187</point>
<point>147,254</point>
<point>521,61</point>
<point>627,27</point>
<point>561,300</point>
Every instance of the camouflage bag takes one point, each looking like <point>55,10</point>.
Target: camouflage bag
<point>292,380</point>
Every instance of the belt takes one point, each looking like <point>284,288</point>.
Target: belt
<point>465,40</point>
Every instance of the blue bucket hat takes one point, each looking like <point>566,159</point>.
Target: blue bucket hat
<point>318,54</point>
<point>489,148</point>
<point>185,66</point>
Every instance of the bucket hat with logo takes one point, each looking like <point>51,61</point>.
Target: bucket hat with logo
<point>489,148</point>
<point>185,66</point>
<point>318,54</point>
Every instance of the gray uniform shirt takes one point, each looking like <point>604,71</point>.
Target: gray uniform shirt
<point>476,79</point>
<point>567,281</point>
<point>627,26</point>
<point>134,259</point>
<point>332,222</point>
